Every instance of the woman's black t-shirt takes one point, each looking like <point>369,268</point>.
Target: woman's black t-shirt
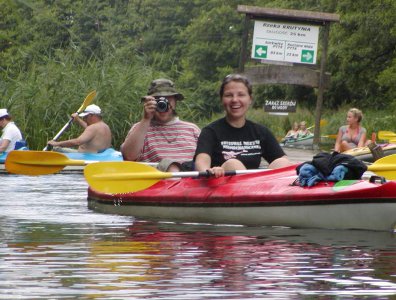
<point>248,144</point>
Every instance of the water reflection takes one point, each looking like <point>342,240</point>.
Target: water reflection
<point>53,247</point>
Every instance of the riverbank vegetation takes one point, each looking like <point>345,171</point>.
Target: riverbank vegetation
<point>53,53</point>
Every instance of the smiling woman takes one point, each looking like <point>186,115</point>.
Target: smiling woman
<point>233,142</point>
<point>352,134</point>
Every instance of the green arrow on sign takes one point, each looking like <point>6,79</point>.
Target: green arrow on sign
<point>260,51</point>
<point>307,56</point>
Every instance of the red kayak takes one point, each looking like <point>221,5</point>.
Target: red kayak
<point>270,198</point>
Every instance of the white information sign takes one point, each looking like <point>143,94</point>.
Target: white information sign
<point>285,42</point>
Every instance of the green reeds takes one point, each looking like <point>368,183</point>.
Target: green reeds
<point>42,98</point>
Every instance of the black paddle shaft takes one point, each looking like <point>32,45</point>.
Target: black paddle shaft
<point>208,173</point>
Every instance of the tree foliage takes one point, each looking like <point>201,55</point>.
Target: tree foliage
<point>362,50</point>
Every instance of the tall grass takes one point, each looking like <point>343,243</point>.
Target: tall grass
<point>42,99</point>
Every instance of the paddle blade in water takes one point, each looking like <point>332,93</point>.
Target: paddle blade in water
<point>122,177</point>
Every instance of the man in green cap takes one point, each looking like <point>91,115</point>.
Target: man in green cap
<point>161,136</point>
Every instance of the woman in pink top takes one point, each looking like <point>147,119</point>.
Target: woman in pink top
<point>352,135</point>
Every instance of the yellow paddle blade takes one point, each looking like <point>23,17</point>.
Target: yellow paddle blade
<point>330,136</point>
<point>386,135</point>
<point>323,122</point>
<point>87,101</point>
<point>38,162</point>
<point>122,177</point>
<point>385,166</point>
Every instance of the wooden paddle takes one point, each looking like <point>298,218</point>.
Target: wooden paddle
<point>42,162</point>
<point>88,99</point>
<point>128,176</point>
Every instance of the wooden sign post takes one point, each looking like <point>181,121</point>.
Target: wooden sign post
<point>286,41</point>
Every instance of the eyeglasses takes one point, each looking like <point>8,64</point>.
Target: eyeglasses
<point>236,77</point>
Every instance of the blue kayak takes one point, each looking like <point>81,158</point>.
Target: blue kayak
<point>3,155</point>
<point>19,145</point>
<point>107,155</point>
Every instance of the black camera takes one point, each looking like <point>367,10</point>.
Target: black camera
<point>162,104</point>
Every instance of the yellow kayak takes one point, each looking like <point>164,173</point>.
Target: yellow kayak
<point>364,153</point>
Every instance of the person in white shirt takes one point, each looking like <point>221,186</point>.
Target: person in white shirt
<point>11,133</point>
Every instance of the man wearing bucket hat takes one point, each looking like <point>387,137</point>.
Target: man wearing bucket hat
<point>161,136</point>
<point>95,138</point>
<point>11,133</point>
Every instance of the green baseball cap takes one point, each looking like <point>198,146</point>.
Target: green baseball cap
<point>163,87</point>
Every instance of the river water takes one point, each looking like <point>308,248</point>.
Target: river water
<point>53,247</point>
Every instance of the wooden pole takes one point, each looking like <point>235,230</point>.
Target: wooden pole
<point>319,101</point>
<point>242,58</point>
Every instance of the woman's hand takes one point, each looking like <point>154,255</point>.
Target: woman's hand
<point>217,171</point>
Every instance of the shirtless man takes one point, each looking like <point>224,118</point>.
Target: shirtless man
<point>95,138</point>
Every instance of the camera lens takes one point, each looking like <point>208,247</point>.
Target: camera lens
<point>162,104</point>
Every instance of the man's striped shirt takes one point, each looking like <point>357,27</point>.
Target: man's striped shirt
<point>176,140</point>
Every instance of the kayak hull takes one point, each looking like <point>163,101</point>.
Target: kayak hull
<point>301,143</point>
<point>109,154</point>
<point>3,157</point>
<point>268,199</point>
<point>364,153</point>
<point>310,216</point>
